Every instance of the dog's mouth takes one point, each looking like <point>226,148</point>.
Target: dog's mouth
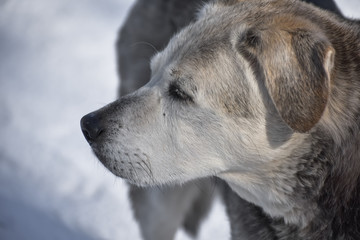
<point>130,164</point>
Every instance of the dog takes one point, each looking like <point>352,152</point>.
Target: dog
<point>262,94</point>
<point>183,205</point>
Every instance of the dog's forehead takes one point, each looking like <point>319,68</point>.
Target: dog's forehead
<point>215,24</point>
<point>219,27</point>
<point>200,41</point>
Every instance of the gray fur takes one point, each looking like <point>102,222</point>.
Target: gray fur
<point>299,173</point>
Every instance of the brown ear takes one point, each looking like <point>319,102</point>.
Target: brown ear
<point>297,72</point>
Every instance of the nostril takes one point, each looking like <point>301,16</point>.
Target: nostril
<point>91,127</point>
<point>99,132</point>
<point>86,135</point>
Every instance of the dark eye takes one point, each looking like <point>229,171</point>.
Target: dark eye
<point>177,93</point>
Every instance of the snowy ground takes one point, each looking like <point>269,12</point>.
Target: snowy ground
<point>57,63</point>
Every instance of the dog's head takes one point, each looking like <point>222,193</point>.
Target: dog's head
<point>234,91</point>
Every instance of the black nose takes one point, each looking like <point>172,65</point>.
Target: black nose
<point>91,127</point>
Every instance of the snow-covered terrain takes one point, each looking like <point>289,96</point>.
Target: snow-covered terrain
<point>57,63</point>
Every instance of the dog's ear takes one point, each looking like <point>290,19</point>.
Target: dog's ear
<point>297,75</point>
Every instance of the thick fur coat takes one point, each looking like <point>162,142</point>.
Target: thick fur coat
<point>266,96</point>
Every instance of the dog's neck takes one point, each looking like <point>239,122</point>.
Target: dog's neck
<point>274,202</point>
<point>297,189</point>
<point>283,188</point>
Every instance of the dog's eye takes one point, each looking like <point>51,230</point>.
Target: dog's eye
<point>177,93</point>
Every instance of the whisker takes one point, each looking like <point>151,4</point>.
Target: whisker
<point>134,174</point>
<point>145,43</point>
<point>148,165</point>
<point>145,170</point>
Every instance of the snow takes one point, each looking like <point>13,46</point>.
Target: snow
<point>57,63</point>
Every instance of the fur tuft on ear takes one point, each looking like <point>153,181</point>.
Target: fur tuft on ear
<point>298,67</point>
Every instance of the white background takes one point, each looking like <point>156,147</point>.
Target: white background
<point>57,63</point>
